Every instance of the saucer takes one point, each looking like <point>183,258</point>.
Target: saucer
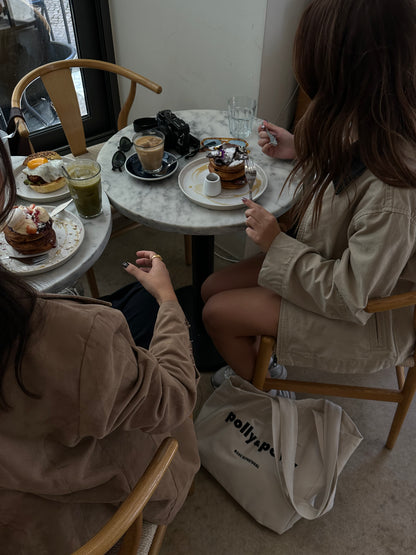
<point>134,168</point>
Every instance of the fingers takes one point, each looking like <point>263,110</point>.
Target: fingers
<point>145,261</point>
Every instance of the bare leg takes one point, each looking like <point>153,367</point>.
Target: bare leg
<point>240,275</point>
<point>235,317</point>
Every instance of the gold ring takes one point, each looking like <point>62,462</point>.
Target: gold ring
<point>156,256</point>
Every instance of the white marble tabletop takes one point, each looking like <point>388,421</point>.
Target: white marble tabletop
<point>97,234</point>
<point>162,204</point>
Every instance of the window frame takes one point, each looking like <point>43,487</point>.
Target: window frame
<point>93,36</point>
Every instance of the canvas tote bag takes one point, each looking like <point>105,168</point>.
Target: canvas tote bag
<point>279,458</point>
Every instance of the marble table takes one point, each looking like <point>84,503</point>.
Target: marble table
<point>97,234</point>
<point>162,205</point>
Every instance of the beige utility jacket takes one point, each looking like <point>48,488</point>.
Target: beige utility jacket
<point>70,457</point>
<point>362,248</point>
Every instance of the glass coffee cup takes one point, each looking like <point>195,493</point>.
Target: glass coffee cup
<point>150,147</point>
<point>84,184</point>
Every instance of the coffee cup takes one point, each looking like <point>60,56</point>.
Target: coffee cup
<point>212,185</point>
<point>150,147</point>
<point>84,184</point>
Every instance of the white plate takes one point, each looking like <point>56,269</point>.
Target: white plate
<point>25,192</point>
<point>69,232</point>
<point>191,180</point>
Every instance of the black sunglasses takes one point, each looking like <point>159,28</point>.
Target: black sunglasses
<point>119,158</point>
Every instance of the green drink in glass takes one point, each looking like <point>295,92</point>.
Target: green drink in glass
<point>84,183</point>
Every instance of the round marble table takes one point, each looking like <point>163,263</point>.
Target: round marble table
<point>97,234</point>
<point>162,204</point>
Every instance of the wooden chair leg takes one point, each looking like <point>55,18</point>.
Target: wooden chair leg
<point>92,282</point>
<point>131,539</point>
<point>157,540</point>
<point>408,391</point>
<point>263,358</point>
<point>188,249</point>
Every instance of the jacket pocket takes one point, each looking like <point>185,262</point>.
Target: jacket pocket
<point>380,334</point>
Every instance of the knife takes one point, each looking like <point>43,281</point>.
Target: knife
<point>59,208</point>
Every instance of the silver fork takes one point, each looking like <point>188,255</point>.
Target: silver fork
<point>251,174</point>
<point>29,260</point>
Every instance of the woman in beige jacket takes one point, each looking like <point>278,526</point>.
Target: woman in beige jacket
<point>83,409</point>
<point>352,230</point>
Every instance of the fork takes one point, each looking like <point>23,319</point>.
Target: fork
<point>251,174</point>
<point>29,260</point>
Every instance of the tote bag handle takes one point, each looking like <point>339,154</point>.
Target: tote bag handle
<point>285,434</point>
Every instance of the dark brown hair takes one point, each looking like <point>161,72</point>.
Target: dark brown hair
<point>356,60</point>
<point>17,299</point>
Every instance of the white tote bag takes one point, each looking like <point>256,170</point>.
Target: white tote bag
<point>280,459</point>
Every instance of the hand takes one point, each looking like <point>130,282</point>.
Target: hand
<point>285,148</point>
<point>153,275</point>
<point>262,227</point>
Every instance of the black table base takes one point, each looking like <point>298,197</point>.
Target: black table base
<point>206,356</point>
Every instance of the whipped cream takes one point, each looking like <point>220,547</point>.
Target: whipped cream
<point>228,154</point>
<point>27,219</point>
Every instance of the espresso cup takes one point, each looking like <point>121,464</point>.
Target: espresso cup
<point>150,147</point>
<point>212,185</point>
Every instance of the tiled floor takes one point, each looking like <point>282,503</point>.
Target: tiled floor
<point>375,505</point>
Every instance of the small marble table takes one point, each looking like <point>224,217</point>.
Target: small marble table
<point>97,234</point>
<point>162,205</point>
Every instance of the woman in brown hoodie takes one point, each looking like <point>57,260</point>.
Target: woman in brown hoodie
<point>83,409</point>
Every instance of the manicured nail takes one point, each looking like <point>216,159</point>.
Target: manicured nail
<point>125,264</point>
<point>244,198</point>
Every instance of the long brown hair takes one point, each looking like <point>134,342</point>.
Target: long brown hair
<point>17,299</point>
<point>356,60</point>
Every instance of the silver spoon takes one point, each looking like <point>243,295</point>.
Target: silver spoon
<point>165,169</point>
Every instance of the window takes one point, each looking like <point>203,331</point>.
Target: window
<point>34,32</point>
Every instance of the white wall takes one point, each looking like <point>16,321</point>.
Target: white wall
<point>200,52</point>
<point>277,82</point>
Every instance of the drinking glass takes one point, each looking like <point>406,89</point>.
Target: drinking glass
<point>241,113</point>
<point>84,184</point>
<point>150,146</point>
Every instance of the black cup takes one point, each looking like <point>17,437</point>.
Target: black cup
<point>142,124</point>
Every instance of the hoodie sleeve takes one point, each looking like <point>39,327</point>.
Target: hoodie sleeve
<point>124,386</point>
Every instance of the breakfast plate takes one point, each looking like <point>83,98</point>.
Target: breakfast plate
<point>69,232</point>
<point>191,180</point>
<point>134,168</point>
<point>26,193</point>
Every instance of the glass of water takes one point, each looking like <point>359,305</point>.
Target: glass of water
<point>241,113</point>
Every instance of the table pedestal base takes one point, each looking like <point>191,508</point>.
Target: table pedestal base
<point>206,356</point>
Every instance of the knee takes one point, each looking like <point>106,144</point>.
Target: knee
<point>209,288</point>
<point>212,314</point>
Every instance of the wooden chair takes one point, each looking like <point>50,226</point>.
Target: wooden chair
<point>138,537</point>
<point>402,395</point>
<point>57,79</point>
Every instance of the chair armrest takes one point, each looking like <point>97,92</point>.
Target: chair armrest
<point>133,506</point>
<point>392,302</point>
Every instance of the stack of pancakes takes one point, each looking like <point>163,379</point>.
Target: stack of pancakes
<point>33,237</point>
<point>227,161</point>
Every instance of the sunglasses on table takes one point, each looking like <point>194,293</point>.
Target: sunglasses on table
<point>119,158</point>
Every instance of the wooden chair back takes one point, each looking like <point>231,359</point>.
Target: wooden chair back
<point>127,522</point>
<point>57,79</point>
<point>402,395</point>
